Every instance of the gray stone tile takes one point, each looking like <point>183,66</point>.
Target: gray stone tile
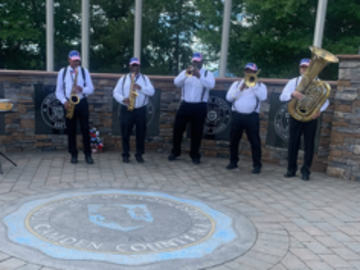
<point>11,264</point>
<point>30,267</point>
<point>346,254</point>
<point>335,261</point>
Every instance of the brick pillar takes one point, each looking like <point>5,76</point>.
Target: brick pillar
<point>344,157</point>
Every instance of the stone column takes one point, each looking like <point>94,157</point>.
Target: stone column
<point>344,157</point>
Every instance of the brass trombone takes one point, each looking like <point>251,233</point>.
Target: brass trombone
<point>190,71</point>
<point>251,79</point>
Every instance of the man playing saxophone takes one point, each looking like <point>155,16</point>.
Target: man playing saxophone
<point>246,97</point>
<point>132,92</point>
<point>297,128</point>
<point>75,80</point>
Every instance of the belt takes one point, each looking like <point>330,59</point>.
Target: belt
<point>193,103</point>
<point>243,113</point>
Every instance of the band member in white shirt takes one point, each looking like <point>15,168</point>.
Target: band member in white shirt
<point>136,117</point>
<point>297,128</point>
<point>246,104</point>
<point>194,95</point>
<point>83,89</point>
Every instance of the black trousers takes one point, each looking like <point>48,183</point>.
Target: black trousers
<point>298,128</point>
<point>128,120</point>
<point>81,112</point>
<point>194,113</point>
<point>251,124</point>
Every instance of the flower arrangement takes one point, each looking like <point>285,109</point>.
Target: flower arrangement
<point>95,141</point>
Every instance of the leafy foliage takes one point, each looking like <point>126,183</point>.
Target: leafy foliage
<point>275,34</point>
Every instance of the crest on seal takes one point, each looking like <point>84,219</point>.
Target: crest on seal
<point>123,217</point>
<point>282,122</point>
<point>218,116</point>
<point>52,112</point>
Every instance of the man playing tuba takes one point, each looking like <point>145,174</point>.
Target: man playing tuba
<point>74,79</point>
<point>297,128</point>
<point>246,97</point>
<point>132,92</point>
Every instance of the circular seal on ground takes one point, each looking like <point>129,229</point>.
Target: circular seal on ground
<point>218,116</point>
<point>150,112</point>
<point>282,122</point>
<point>126,228</point>
<point>52,112</point>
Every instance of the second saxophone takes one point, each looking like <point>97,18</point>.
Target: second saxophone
<point>132,95</point>
<point>74,98</point>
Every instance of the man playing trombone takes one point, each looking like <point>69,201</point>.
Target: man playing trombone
<point>195,84</point>
<point>246,96</point>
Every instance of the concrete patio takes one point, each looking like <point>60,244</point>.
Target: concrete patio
<point>299,225</point>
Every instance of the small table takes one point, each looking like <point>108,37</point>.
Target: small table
<point>5,106</point>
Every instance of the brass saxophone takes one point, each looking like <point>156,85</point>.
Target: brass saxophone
<point>74,98</point>
<point>132,94</point>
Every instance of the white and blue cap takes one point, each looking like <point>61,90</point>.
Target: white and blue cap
<point>197,57</point>
<point>305,62</point>
<point>74,55</point>
<point>134,60</point>
<point>251,66</point>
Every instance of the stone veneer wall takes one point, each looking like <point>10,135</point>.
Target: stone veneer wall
<point>20,124</point>
<point>344,157</point>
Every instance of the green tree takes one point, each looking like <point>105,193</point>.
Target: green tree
<point>167,32</point>
<point>23,33</point>
<point>276,34</point>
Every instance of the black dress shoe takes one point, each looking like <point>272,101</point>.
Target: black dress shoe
<point>89,159</point>
<point>256,171</point>
<point>305,177</point>
<point>196,161</point>
<point>289,175</point>
<point>172,157</point>
<point>74,160</point>
<point>126,159</point>
<point>231,166</point>
<point>139,159</point>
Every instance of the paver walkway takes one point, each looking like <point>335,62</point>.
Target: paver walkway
<point>299,225</point>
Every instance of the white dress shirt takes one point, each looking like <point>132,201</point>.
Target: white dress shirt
<point>122,90</point>
<point>193,89</point>
<point>67,84</point>
<point>248,100</point>
<point>290,88</point>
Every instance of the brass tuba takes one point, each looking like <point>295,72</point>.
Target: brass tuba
<point>315,92</point>
<point>74,98</point>
<point>132,94</point>
<point>251,79</point>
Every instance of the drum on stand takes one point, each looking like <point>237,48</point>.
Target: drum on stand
<point>5,105</point>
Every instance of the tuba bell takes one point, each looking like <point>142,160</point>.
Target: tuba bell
<point>251,79</point>
<point>315,92</point>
